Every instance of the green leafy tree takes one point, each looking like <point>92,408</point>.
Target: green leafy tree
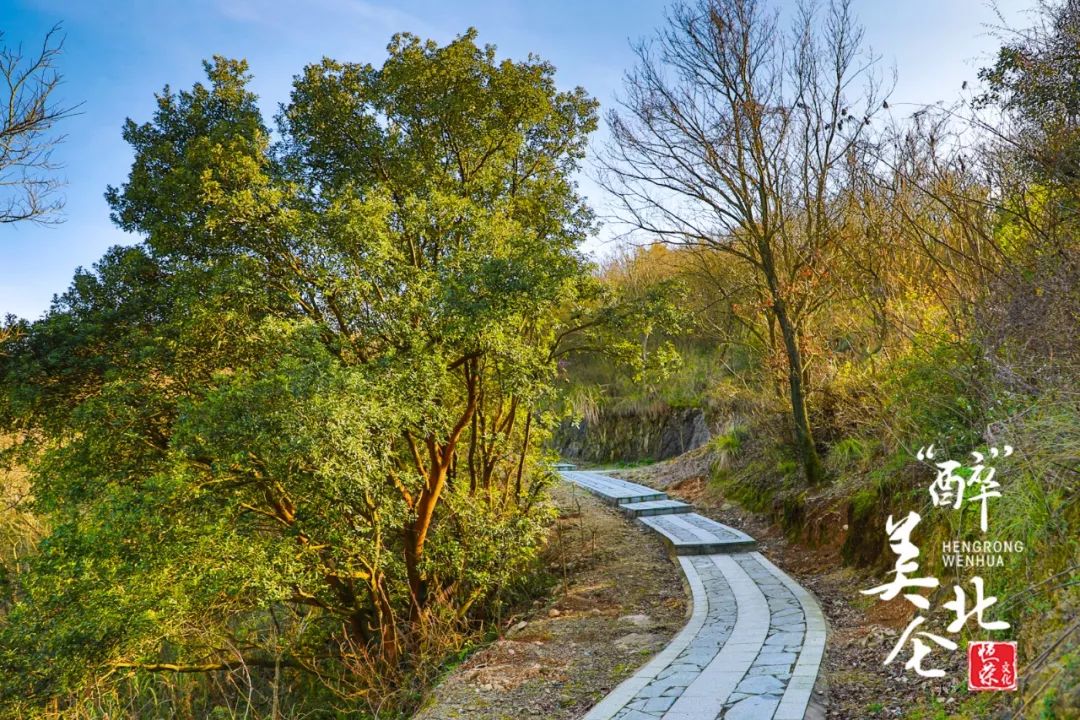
<point>1033,83</point>
<point>300,425</point>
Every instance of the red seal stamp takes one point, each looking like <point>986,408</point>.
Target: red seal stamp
<point>991,665</point>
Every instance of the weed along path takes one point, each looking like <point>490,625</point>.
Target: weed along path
<point>754,642</point>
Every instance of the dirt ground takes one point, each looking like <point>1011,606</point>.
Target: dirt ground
<point>620,599</point>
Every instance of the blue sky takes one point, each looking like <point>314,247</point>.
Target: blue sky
<point>119,53</point>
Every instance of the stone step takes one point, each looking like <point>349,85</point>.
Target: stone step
<point>655,507</point>
<point>611,490</point>
<point>693,534</point>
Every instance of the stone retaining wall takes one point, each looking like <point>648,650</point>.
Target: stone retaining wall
<point>628,437</point>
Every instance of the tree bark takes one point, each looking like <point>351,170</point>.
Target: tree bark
<point>416,534</point>
<point>440,458</point>
<point>521,460</point>
<point>804,437</point>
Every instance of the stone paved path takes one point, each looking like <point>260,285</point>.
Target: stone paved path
<point>754,642</point>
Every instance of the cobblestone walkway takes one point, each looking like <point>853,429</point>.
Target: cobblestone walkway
<point>754,642</point>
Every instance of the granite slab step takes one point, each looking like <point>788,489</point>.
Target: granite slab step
<point>611,490</point>
<point>693,534</point>
<point>655,507</point>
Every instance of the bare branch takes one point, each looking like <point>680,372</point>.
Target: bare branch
<point>28,113</point>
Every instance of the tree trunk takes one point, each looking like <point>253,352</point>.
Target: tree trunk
<point>416,534</point>
<point>440,459</point>
<point>804,437</point>
<point>388,630</point>
<point>521,460</point>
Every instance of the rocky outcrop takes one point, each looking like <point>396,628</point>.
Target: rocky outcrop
<point>615,436</point>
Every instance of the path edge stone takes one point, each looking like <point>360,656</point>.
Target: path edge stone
<point>615,700</point>
<point>801,697</point>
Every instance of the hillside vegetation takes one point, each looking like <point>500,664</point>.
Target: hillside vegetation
<point>919,284</point>
<point>287,455</point>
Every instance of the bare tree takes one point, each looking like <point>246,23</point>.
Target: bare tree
<point>738,136</point>
<point>28,114</point>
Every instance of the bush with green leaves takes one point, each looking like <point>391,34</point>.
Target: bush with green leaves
<point>299,426</point>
